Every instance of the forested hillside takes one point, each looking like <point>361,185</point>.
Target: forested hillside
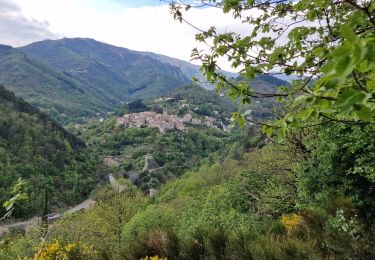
<point>75,78</point>
<point>48,157</point>
<point>171,152</point>
<point>256,169</point>
<point>114,74</point>
<point>274,202</point>
<point>44,87</point>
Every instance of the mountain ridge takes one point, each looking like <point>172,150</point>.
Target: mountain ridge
<point>39,84</point>
<point>78,77</point>
<point>75,78</point>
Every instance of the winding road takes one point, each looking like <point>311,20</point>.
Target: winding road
<point>35,221</point>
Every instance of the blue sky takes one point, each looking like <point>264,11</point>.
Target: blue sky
<point>140,3</point>
<point>116,5</point>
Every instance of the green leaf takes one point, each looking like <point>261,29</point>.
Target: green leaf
<point>304,114</point>
<point>311,16</point>
<point>364,113</point>
<point>239,119</point>
<point>348,33</point>
<point>6,204</point>
<point>301,99</point>
<point>268,130</point>
<point>344,67</point>
<point>328,67</point>
<point>348,98</point>
<point>320,52</point>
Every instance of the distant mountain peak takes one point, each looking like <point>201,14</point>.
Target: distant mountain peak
<point>5,48</point>
<point>81,77</point>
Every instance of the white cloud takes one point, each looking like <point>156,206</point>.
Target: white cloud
<point>16,29</point>
<point>143,29</point>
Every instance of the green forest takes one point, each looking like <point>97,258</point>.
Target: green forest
<point>254,168</point>
<point>37,149</point>
<point>174,151</point>
<point>275,202</point>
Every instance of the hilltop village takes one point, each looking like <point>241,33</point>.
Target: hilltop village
<point>162,122</point>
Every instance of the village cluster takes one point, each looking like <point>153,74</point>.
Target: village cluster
<point>163,122</point>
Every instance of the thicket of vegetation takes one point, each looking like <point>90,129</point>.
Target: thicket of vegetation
<point>44,154</point>
<point>304,192</point>
<point>276,202</point>
<point>174,151</point>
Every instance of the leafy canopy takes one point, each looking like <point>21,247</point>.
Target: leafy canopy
<point>329,45</point>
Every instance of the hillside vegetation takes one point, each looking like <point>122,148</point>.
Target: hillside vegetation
<point>239,195</point>
<point>275,202</point>
<point>48,157</point>
<point>75,78</point>
<point>192,175</point>
<point>174,151</point>
<point>46,88</point>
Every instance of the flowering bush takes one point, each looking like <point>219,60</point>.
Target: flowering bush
<point>291,221</point>
<point>56,251</point>
<point>154,258</point>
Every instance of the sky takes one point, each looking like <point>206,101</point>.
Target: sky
<point>142,25</point>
